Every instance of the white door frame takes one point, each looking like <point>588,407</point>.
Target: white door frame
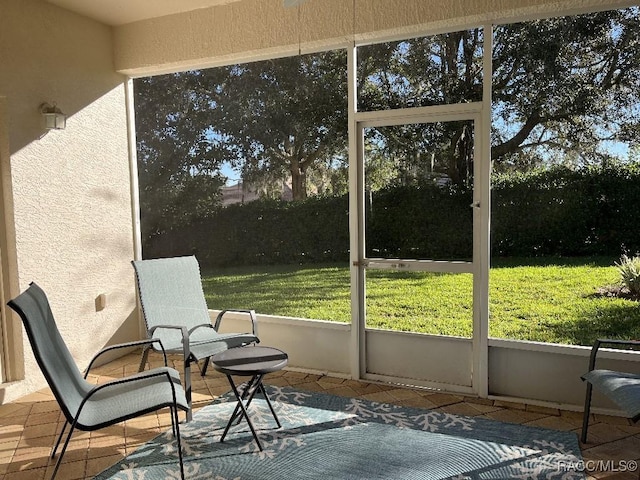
<point>480,114</point>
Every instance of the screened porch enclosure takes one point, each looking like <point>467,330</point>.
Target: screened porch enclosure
<point>71,204</point>
<point>369,343</point>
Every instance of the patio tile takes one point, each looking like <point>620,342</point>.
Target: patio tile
<point>106,444</point>
<point>43,418</point>
<point>7,449</point>
<point>540,409</point>
<point>10,410</point>
<point>28,426</point>
<point>219,380</point>
<point>294,374</point>
<point>368,388</point>
<point>612,420</point>
<point>513,416</point>
<point>312,377</point>
<point>442,399</point>
<point>27,458</point>
<point>623,449</point>
<point>343,391</point>
<point>403,393</point>
<point>462,409</point>
<point>331,380</point>
<point>48,405</point>
<point>12,428</point>
<point>356,384</point>
<point>277,381</point>
<point>510,405</point>
<point>33,474</point>
<point>417,402</point>
<point>216,391</point>
<point>69,470</point>
<point>380,397</point>
<point>553,422</point>
<point>615,475</point>
<point>76,450</point>
<point>482,408</point>
<point>573,417</point>
<point>310,386</point>
<point>479,401</point>
<point>36,397</point>
<point>599,433</point>
<point>99,464</point>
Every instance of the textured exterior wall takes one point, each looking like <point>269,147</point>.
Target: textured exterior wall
<point>255,29</point>
<point>70,206</point>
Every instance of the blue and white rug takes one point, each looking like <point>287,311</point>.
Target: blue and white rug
<point>326,437</point>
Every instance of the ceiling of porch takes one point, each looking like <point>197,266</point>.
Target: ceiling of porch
<point>120,12</point>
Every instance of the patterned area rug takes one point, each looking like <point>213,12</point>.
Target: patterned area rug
<point>329,437</point>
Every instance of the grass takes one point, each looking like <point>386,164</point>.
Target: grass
<point>548,300</point>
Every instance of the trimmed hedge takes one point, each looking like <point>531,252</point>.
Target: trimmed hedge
<point>263,232</point>
<point>594,211</point>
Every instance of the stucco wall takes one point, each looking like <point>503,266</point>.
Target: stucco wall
<point>255,29</point>
<point>70,211</point>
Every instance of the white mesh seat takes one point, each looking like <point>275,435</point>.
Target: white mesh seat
<point>87,406</point>
<point>623,388</point>
<point>175,311</point>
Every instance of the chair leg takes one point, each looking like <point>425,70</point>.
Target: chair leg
<point>145,356</point>
<point>587,410</point>
<point>64,449</point>
<point>187,386</point>
<point>205,366</point>
<point>55,447</point>
<point>175,423</point>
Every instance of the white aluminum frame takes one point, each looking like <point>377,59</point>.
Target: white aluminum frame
<point>480,114</point>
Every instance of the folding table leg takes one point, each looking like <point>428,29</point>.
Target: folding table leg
<point>273,412</point>
<point>247,394</point>
<point>244,412</point>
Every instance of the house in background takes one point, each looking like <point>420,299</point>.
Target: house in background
<point>68,197</point>
<point>243,192</point>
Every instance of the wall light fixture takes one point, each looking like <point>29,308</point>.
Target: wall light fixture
<point>54,119</point>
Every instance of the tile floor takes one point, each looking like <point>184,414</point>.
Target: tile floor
<point>28,426</point>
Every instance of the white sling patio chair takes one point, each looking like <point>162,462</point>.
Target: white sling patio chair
<point>623,388</point>
<point>87,406</point>
<point>175,311</point>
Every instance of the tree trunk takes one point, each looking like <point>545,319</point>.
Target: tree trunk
<point>298,181</point>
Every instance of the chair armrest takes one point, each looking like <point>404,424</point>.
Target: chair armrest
<point>252,317</point>
<point>186,351</point>
<point>607,341</point>
<point>130,379</point>
<point>170,327</point>
<point>202,325</point>
<point>136,343</point>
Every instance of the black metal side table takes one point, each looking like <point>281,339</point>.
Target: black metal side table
<point>255,362</point>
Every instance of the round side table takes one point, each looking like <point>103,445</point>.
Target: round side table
<point>251,361</point>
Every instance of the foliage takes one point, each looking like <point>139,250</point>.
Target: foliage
<point>548,300</point>
<point>543,213</point>
<point>424,221</point>
<point>629,270</point>
<point>434,70</point>
<point>178,170</point>
<point>263,232</point>
<point>282,118</point>
<point>563,89</point>
<point>561,211</point>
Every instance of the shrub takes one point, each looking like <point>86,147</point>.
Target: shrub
<point>629,269</point>
<point>554,212</point>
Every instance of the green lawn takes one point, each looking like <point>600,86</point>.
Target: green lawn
<point>547,300</point>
